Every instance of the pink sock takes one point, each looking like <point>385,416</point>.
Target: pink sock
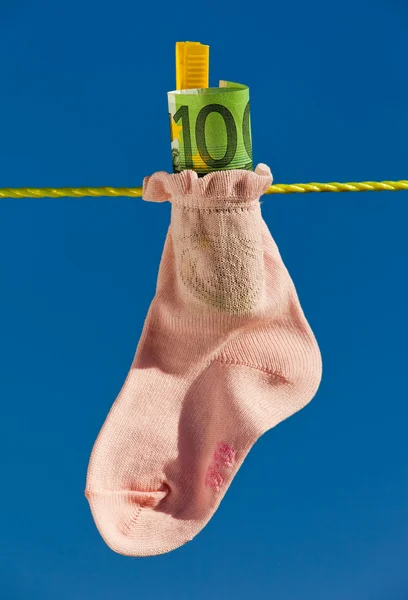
<point>226,353</point>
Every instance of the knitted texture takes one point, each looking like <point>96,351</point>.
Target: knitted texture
<point>225,354</point>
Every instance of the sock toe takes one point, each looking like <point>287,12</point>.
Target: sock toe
<point>132,524</point>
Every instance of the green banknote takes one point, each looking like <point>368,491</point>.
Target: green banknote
<point>210,128</point>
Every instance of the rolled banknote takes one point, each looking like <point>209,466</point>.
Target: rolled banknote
<point>210,128</point>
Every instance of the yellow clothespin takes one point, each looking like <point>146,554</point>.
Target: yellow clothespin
<point>192,65</point>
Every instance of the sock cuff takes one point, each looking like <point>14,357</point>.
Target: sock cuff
<point>219,189</point>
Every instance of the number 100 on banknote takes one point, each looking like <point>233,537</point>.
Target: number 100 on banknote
<point>210,128</point>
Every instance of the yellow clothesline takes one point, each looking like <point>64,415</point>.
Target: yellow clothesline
<point>282,188</point>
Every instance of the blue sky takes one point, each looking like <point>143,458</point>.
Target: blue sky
<point>319,509</point>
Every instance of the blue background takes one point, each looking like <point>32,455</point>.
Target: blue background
<point>319,509</point>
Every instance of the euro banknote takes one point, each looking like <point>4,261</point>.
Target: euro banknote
<point>210,128</point>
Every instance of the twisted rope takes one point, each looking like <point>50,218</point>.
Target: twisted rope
<point>278,188</point>
<point>363,186</point>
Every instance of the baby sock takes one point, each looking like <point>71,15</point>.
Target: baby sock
<point>225,354</point>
